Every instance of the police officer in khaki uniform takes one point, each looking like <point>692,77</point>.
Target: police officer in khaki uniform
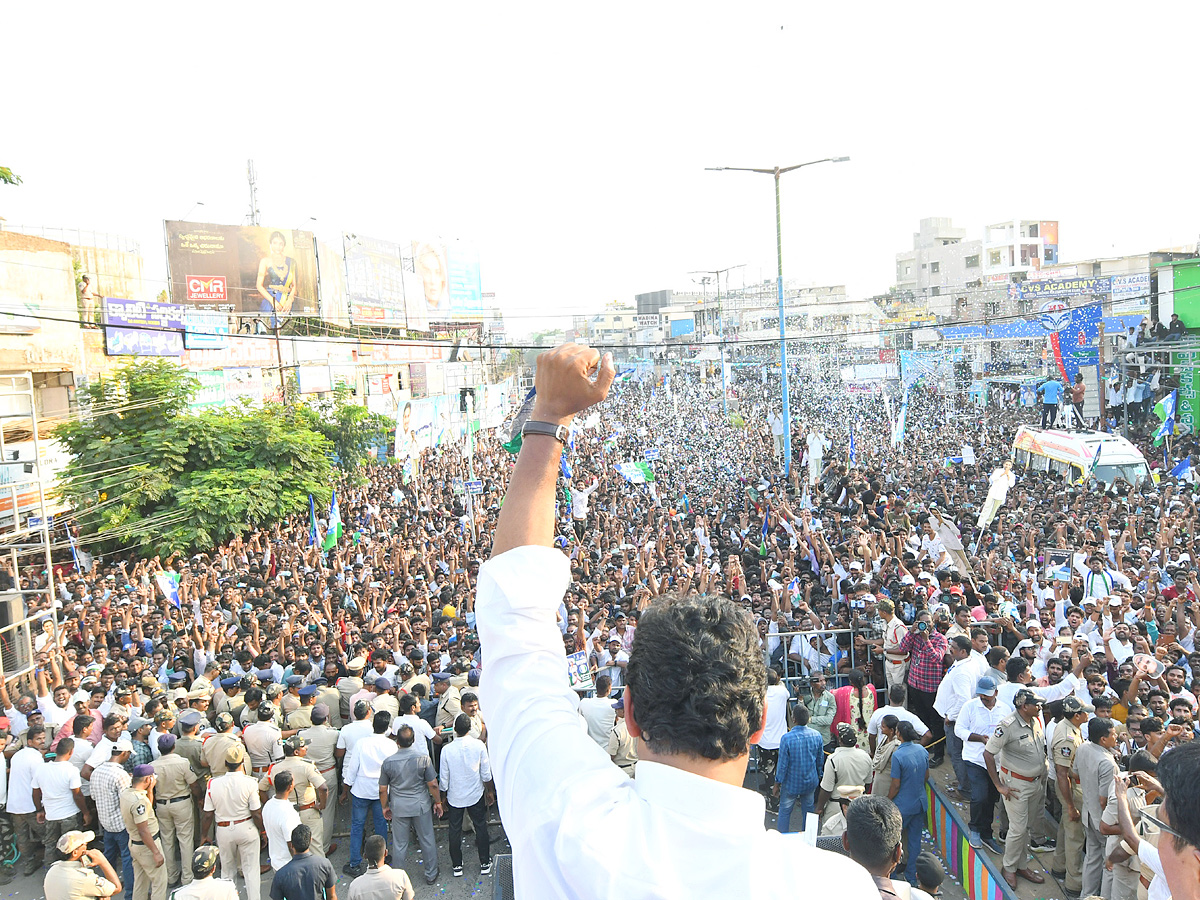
<point>1068,852</point>
<point>229,699</point>
<point>290,700</point>
<point>217,745</point>
<point>204,683</point>
<point>310,793</point>
<point>1015,755</point>
<point>262,740</point>
<point>350,685</point>
<point>322,742</point>
<point>232,803</point>
<point>301,716</point>
<point>332,698</point>
<point>137,812</point>
<point>173,796</point>
<point>204,886</point>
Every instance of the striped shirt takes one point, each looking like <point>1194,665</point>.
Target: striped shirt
<point>924,658</point>
<point>801,760</point>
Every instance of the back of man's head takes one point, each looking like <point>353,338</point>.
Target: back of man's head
<point>462,725</point>
<point>1177,775</point>
<point>697,678</point>
<point>874,829</point>
<point>302,838</point>
<point>405,736</point>
<point>381,722</point>
<point>374,850</point>
<point>896,694</point>
<point>800,714</point>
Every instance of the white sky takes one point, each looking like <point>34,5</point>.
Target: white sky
<point>570,140</point>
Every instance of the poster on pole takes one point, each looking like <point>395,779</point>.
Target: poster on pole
<point>1058,565</point>
<point>579,675</point>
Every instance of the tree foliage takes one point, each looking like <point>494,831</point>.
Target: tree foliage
<point>147,473</point>
<point>351,429</point>
<point>8,177</point>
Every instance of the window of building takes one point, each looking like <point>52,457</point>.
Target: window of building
<point>992,308</point>
<point>1033,229</point>
<point>935,291</point>
<point>935,267</point>
<point>908,270</point>
<point>972,262</point>
<point>994,257</point>
<point>924,266</point>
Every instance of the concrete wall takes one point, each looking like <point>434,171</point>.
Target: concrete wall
<point>37,280</point>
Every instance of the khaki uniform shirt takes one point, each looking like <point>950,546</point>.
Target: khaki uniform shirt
<point>846,766</point>
<point>322,741</point>
<point>386,703</point>
<point>72,880</point>
<point>135,809</point>
<point>202,684</point>
<point>384,883</point>
<point>1067,739</point>
<point>449,706</point>
<point>347,687</point>
<point>175,777</point>
<point>263,740</point>
<point>298,718</point>
<point>222,702</point>
<point>231,797</point>
<point>1019,746</point>
<point>288,702</point>
<point>215,747</point>
<point>332,699</point>
<point>190,749</point>
<point>305,779</point>
<point>621,747</point>
<point>209,888</point>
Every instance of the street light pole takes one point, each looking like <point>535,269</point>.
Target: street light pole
<point>783,375</point>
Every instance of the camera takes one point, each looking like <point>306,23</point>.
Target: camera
<point>922,626</point>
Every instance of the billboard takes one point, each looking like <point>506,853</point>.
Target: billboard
<point>212,389</point>
<point>142,328</point>
<point>466,294</point>
<point>1131,294</point>
<point>243,269</point>
<point>383,284</point>
<point>244,384</point>
<point>1059,287</point>
<point>331,272</point>
<point>433,272</point>
<point>207,329</point>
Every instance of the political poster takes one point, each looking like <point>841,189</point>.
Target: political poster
<point>1058,565</point>
<point>579,674</point>
<point>246,270</point>
<point>383,284</point>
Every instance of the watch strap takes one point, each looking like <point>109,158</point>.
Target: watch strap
<point>549,429</point>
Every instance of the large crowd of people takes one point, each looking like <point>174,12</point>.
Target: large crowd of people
<point>903,611</point>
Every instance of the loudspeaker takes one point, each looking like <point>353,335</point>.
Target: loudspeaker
<point>502,877</point>
<point>16,644</point>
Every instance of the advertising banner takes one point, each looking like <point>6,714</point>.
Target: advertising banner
<point>142,328</point>
<point>414,428</point>
<point>418,384</point>
<point>313,379</point>
<point>1059,287</point>
<point>383,285</point>
<point>466,296</point>
<point>331,284</point>
<point>212,389</point>
<point>1131,294</point>
<point>1187,406</point>
<point>243,269</point>
<point>429,262</point>
<point>1073,335</point>
<point>207,329</point>
<point>244,385</point>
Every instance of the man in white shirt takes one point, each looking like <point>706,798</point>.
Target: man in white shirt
<point>579,506</point>
<point>466,780</point>
<point>896,696</point>
<point>775,421</point>
<point>58,792</point>
<point>613,661</point>
<point>817,445</point>
<point>977,721</point>
<point>999,483</point>
<point>598,711</point>
<point>360,780</point>
<point>685,827</point>
<point>23,770</point>
<point>279,818</point>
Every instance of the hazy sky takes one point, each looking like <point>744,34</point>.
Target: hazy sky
<point>570,140</point>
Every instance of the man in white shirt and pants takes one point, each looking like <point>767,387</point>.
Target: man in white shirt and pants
<point>1001,480</point>
<point>279,818</point>
<point>686,827</point>
<point>466,780</point>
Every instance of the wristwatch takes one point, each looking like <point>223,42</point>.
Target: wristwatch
<point>558,432</point>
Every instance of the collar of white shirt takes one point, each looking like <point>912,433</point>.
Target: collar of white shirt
<point>697,797</point>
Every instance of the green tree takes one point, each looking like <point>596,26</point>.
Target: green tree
<point>147,473</point>
<point>350,428</point>
<point>7,176</point>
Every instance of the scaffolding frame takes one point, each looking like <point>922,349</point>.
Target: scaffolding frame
<point>25,526</point>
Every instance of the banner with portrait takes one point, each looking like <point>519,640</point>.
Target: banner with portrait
<point>247,270</point>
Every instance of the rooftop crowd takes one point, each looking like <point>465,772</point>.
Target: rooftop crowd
<point>905,614</point>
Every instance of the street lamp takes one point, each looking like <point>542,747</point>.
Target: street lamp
<point>776,172</point>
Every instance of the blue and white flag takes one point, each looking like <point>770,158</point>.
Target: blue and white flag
<point>169,586</point>
<point>1182,467</point>
<point>852,455</point>
<point>901,422</point>
<point>1165,410</point>
<point>564,465</point>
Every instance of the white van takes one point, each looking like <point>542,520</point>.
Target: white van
<point>1073,453</point>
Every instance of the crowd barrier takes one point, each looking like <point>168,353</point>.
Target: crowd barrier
<point>978,874</point>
